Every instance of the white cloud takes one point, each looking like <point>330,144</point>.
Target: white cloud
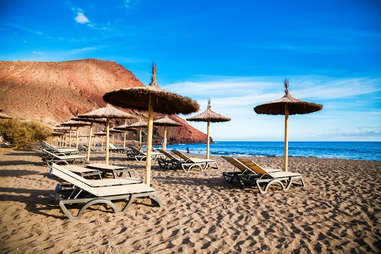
<point>81,18</point>
<point>236,97</point>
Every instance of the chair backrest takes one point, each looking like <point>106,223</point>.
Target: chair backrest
<point>182,156</point>
<point>170,156</point>
<point>71,177</point>
<point>86,184</point>
<point>242,167</point>
<point>136,150</point>
<point>253,166</point>
<point>51,153</point>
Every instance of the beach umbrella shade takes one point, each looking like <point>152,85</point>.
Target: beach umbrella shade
<point>208,116</point>
<point>114,131</point>
<point>139,125</point>
<point>125,128</point>
<point>165,122</point>
<point>108,112</point>
<point>153,99</point>
<point>77,124</point>
<point>287,105</point>
<point>91,121</point>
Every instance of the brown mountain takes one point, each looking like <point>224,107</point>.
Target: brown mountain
<point>53,92</point>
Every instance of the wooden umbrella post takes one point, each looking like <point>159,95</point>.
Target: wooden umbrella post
<point>89,145</point>
<point>70,137</point>
<point>208,141</point>
<point>124,139</point>
<point>147,179</point>
<point>107,139</point>
<point>140,138</point>
<point>77,138</point>
<point>285,138</point>
<point>165,139</point>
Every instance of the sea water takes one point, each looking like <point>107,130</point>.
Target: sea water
<point>340,150</point>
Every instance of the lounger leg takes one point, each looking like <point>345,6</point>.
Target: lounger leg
<point>268,183</point>
<point>90,203</point>
<point>291,180</point>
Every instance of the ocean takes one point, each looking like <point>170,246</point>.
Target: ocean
<point>340,150</point>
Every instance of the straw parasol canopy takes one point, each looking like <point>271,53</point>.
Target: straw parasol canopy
<point>153,99</point>
<point>166,122</point>
<point>287,105</point>
<point>77,124</point>
<point>108,112</point>
<point>91,123</point>
<point>208,116</point>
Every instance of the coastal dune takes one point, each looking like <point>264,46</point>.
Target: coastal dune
<point>339,211</point>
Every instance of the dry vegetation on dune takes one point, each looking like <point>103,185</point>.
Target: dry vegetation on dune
<point>338,211</point>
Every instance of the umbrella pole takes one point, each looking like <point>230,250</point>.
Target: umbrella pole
<point>208,141</point>
<point>70,137</point>
<point>89,145</point>
<point>140,138</point>
<point>77,136</point>
<point>285,138</point>
<point>124,140</point>
<point>165,139</point>
<point>149,142</point>
<point>107,139</point>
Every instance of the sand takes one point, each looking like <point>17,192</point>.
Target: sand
<point>338,211</point>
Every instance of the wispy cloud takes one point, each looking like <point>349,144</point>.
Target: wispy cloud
<point>241,89</point>
<point>81,18</point>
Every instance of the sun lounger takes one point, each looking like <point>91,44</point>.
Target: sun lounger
<point>268,176</point>
<point>115,149</point>
<point>191,162</point>
<point>168,161</point>
<point>54,149</point>
<point>139,155</point>
<point>91,192</point>
<point>82,171</point>
<point>50,157</point>
<point>244,175</point>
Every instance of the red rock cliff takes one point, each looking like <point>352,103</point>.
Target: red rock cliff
<point>54,92</point>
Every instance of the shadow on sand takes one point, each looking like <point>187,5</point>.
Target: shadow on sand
<point>36,201</point>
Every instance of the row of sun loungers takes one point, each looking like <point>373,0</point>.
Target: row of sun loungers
<point>86,185</point>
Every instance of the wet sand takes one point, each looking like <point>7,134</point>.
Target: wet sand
<point>338,211</point>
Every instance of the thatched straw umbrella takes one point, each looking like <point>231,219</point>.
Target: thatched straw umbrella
<point>124,128</point>
<point>114,131</point>
<point>64,131</point>
<point>139,125</point>
<point>208,116</point>
<point>76,124</point>
<point>287,105</point>
<point>91,123</point>
<point>108,113</point>
<point>166,122</point>
<point>153,99</point>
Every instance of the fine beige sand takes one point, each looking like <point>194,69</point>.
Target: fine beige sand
<point>338,211</point>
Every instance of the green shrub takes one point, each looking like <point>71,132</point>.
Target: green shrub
<point>23,134</point>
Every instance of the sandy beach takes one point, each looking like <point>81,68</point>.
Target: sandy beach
<point>339,211</point>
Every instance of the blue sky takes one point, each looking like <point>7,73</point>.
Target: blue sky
<point>236,53</point>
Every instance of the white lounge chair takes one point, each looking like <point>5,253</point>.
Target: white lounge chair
<point>91,192</point>
<point>55,157</point>
<point>268,176</point>
<point>190,162</point>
